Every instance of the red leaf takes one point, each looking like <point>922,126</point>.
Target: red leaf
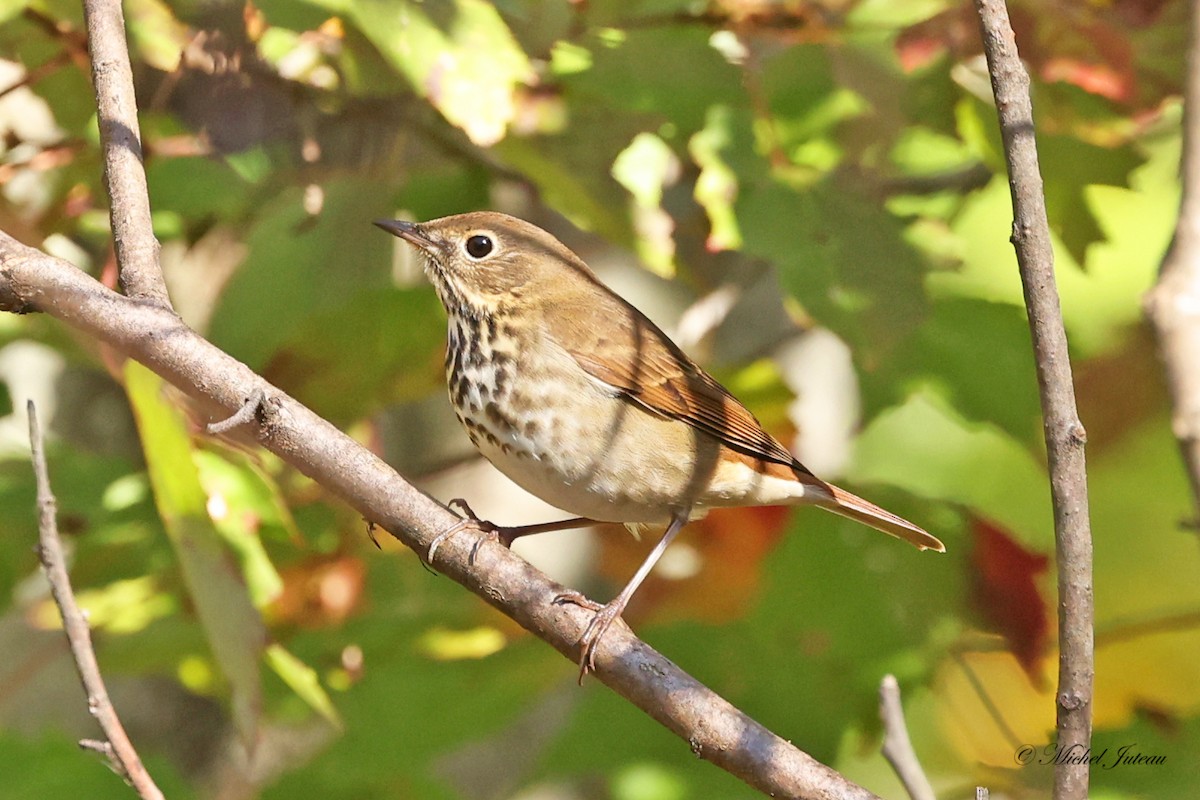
<point>1005,589</point>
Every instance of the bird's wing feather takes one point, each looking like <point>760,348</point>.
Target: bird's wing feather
<point>638,360</point>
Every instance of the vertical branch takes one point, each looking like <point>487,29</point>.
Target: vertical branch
<point>118,750</point>
<point>1064,434</point>
<point>897,746</point>
<point>124,175</point>
<point>1173,305</point>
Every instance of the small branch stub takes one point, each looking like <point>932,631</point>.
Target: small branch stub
<point>243,416</point>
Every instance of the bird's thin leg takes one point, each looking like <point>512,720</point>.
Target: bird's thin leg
<point>607,614</point>
<point>491,531</point>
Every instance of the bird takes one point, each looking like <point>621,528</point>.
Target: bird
<point>581,400</point>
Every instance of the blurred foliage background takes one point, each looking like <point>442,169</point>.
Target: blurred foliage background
<point>809,193</point>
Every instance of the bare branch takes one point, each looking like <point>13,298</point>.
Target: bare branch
<point>1064,433</point>
<point>118,750</point>
<point>1173,305</point>
<point>897,747</point>
<point>124,175</point>
<point>713,728</point>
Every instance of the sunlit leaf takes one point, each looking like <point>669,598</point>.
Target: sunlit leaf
<point>978,356</point>
<point>972,464</point>
<point>459,54</point>
<point>158,35</point>
<point>233,627</point>
<point>582,198</point>
<point>644,168</point>
<point>1068,167</point>
<point>121,607</point>
<point>243,507</point>
<point>717,185</point>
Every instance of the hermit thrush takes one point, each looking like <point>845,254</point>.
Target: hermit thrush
<point>577,397</point>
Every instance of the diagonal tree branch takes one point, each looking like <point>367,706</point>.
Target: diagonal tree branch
<point>1173,305</point>
<point>1065,435</point>
<point>118,750</point>
<point>714,729</point>
<point>152,334</point>
<point>124,175</point>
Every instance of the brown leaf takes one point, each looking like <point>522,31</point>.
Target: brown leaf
<point>729,545</point>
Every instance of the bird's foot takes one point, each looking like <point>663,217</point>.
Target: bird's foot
<point>605,616</point>
<point>489,531</point>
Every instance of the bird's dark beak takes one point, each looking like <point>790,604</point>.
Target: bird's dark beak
<point>408,231</point>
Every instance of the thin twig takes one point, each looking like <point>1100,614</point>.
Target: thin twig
<point>124,175</point>
<point>35,74</point>
<point>1064,433</point>
<point>713,728</point>
<point>118,750</point>
<point>1173,305</point>
<point>897,746</point>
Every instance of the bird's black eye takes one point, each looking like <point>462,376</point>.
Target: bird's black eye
<point>479,246</point>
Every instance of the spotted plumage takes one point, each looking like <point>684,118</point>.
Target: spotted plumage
<point>583,401</point>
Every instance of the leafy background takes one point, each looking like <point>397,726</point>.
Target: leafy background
<point>810,194</point>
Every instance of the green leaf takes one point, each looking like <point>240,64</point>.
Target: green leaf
<point>1069,165</point>
<point>197,188</point>
<point>303,680</point>
<point>587,199</point>
<point>669,74</point>
<point>402,723</point>
<point>49,767</point>
<point>842,256</point>
<point>644,168</point>
<point>300,265</point>
<point>380,346</point>
<point>245,506</point>
<point>158,36</point>
<point>457,53</point>
<point>977,356</point>
<point>1099,303</point>
<point>11,8</point>
<point>805,113</point>
<point>971,464</point>
<point>717,185</point>
<point>233,627</point>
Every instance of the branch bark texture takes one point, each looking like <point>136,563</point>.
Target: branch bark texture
<point>714,729</point>
<point>124,174</point>
<point>118,749</point>
<point>1173,305</point>
<point>1065,435</point>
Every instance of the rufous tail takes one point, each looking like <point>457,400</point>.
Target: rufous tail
<point>854,507</point>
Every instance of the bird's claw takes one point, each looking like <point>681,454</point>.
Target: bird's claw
<point>604,617</point>
<point>488,531</point>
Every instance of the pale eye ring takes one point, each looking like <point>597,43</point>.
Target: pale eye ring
<point>479,246</point>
